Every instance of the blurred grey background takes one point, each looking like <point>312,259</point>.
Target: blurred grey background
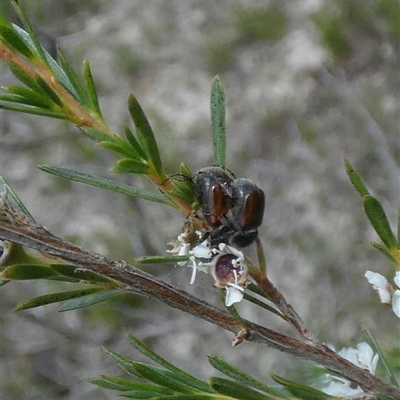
<point>306,83</point>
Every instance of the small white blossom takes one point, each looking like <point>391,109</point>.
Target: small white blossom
<point>224,263</point>
<point>364,357</point>
<point>387,293</point>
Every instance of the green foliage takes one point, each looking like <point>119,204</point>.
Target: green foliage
<point>377,217</point>
<point>218,121</point>
<point>168,381</point>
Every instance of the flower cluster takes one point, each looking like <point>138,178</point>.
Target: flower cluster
<point>387,293</point>
<point>225,264</point>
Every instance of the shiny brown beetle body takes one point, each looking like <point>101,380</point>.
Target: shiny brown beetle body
<point>233,207</point>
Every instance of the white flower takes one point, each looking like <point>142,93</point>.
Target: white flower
<point>230,272</point>
<point>225,264</point>
<point>385,290</point>
<point>364,358</point>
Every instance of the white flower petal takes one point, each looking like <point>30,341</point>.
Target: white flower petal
<point>376,279</point>
<point>380,284</point>
<point>366,358</point>
<point>397,278</point>
<point>194,266</point>
<point>234,294</point>
<point>396,302</point>
<point>202,250</point>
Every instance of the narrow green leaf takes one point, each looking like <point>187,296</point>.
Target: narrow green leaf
<point>162,377</point>
<point>112,382</point>
<point>218,122</point>
<point>11,38</point>
<point>302,391</point>
<point>78,91</point>
<point>105,183</point>
<point>186,172</point>
<point>145,395</point>
<point>161,259</point>
<point>184,190</point>
<point>73,271</point>
<point>129,165</point>
<point>355,179</point>
<point>47,90</point>
<point>145,133</point>
<point>14,199</point>
<point>121,148</point>
<point>27,96</point>
<point>380,223</point>
<point>54,298</point>
<point>98,135</point>
<point>27,271</point>
<point>91,299</point>
<point>137,148</point>
<point>175,396</point>
<point>384,250</point>
<point>91,88</point>
<point>125,363</point>
<point>238,375</point>
<point>184,376</point>
<point>382,361</point>
<point>30,31</point>
<point>24,77</point>
<point>33,110</point>
<point>105,383</point>
<point>235,390</point>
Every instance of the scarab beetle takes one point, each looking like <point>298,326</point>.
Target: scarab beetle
<point>212,190</point>
<point>234,208</point>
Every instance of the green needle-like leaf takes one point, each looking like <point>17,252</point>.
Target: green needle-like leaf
<point>84,275</point>
<point>105,183</point>
<point>355,179</point>
<point>48,91</point>
<point>377,217</point>
<point>235,390</point>
<point>33,110</point>
<point>130,166</point>
<point>162,377</point>
<point>183,376</point>
<point>237,375</point>
<point>382,361</point>
<point>24,77</point>
<point>137,148</point>
<point>9,36</point>
<point>30,31</point>
<point>218,122</point>
<point>78,91</point>
<point>91,88</point>
<point>54,298</point>
<point>125,363</point>
<point>27,271</point>
<point>145,133</point>
<point>89,300</point>
<point>121,147</point>
<point>384,250</point>
<point>302,391</point>
<point>28,96</point>
<point>111,382</point>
